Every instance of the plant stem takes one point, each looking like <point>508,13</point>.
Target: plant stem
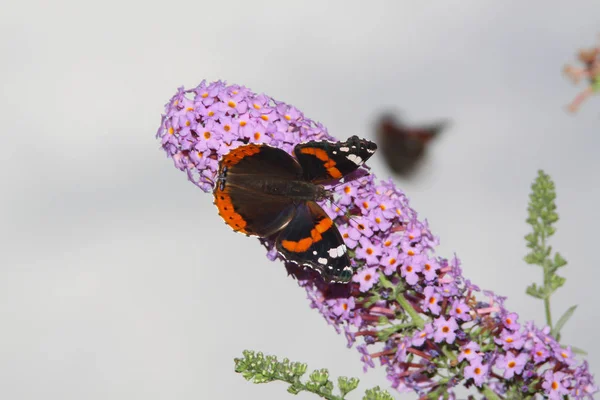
<point>547,285</point>
<point>414,316</point>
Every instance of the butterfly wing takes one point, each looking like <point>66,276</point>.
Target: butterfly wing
<point>404,147</point>
<point>238,195</point>
<point>312,239</point>
<point>322,160</point>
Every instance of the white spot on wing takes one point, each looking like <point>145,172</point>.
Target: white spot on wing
<point>338,251</point>
<point>345,149</point>
<point>355,159</point>
<point>322,261</point>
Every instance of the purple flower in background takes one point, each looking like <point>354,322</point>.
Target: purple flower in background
<point>431,301</point>
<point>470,351</point>
<point>510,321</point>
<point>460,310</point>
<point>540,353</point>
<point>368,251</point>
<point>390,261</point>
<point>555,385</point>
<point>426,333</point>
<point>564,355</point>
<point>511,364</point>
<point>410,269</point>
<point>342,307</point>
<point>430,269</point>
<point>406,306</point>
<point>445,330</point>
<point>367,277</point>
<point>477,371</point>
<point>510,340</point>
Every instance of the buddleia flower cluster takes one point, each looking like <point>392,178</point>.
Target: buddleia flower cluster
<point>406,308</point>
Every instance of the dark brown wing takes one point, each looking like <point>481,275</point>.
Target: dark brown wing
<point>241,203</point>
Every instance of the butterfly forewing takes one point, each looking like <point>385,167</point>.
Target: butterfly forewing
<point>324,161</point>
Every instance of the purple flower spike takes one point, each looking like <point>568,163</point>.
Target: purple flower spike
<point>407,306</point>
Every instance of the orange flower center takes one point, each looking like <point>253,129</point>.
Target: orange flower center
<point>368,277</point>
<point>369,251</point>
<point>207,135</point>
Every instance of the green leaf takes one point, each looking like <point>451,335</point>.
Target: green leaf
<point>556,282</point>
<point>535,291</point>
<point>377,394</point>
<point>562,321</point>
<point>577,350</point>
<point>559,261</point>
<point>347,385</point>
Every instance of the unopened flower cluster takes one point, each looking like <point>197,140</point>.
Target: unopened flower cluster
<point>413,312</point>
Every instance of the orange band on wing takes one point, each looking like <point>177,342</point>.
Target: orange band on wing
<point>237,154</point>
<point>297,247</point>
<point>315,235</point>
<point>227,212</point>
<point>322,155</point>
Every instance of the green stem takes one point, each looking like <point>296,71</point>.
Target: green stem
<point>489,393</point>
<point>548,313</point>
<point>547,285</point>
<point>414,316</point>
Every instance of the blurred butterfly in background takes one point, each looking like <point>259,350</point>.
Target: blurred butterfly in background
<point>404,147</point>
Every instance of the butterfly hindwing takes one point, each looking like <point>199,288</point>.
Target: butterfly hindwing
<point>238,195</point>
<point>312,239</point>
<point>322,160</point>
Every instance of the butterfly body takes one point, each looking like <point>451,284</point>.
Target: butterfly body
<point>264,191</point>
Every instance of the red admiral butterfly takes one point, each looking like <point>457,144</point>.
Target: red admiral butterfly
<point>404,146</point>
<point>263,191</point>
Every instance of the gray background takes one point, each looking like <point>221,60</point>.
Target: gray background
<point>118,280</point>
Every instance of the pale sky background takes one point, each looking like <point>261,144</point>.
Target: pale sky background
<point>118,280</point>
